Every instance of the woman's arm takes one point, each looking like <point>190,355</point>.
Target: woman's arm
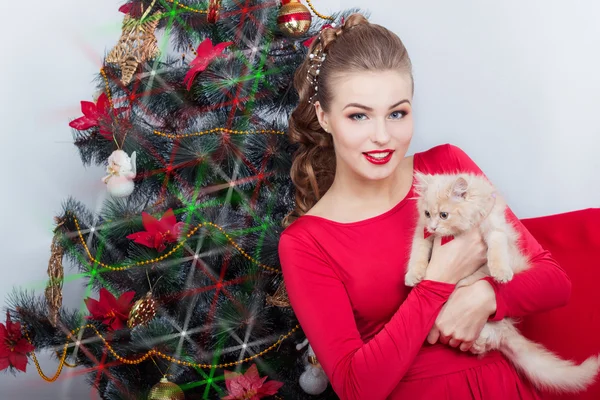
<point>356,370</point>
<point>542,287</point>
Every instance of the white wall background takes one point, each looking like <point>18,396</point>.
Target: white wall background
<point>514,83</point>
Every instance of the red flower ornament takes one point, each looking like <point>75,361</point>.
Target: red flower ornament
<point>206,53</point>
<point>111,311</point>
<point>13,346</point>
<point>249,386</point>
<point>158,232</point>
<point>97,114</point>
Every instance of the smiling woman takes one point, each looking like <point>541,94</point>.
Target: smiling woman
<point>345,247</point>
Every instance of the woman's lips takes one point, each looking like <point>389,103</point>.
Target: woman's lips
<point>379,157</point>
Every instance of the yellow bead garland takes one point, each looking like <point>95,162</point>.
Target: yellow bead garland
<point>147,355</point>
<point>174,2</point>
<point>222,130</point>
<point>316,13</point>
<point>164,256</point>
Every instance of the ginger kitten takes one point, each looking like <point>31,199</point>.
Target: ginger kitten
<point>450,204</point>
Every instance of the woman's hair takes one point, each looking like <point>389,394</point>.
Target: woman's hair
<point>355,46</point>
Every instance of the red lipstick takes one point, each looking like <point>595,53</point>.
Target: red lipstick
<point>372,157</point>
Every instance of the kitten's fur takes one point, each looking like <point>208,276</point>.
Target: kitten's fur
<point>468,201</point>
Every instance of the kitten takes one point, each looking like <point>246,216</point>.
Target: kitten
<point>450,204</point>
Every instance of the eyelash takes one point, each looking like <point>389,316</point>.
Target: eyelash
<point>353,116</point>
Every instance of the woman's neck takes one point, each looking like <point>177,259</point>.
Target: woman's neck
<point>349,193</point>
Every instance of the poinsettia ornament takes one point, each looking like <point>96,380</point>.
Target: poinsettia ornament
<point>249,386</point>
<point>205,54</point>
<point>158,232</point>
<point>13,346</point>
<point>97,114</point>
<point>111,311</point>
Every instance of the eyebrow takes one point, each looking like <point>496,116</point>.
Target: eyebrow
<point>370,109</point>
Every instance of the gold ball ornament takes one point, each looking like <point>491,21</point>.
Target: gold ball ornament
<point>165,390</point>
<point>142,312</point>
<point>294,18</point>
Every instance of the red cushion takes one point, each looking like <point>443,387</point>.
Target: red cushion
<point>572,331</point>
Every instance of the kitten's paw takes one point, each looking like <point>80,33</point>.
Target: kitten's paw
<point>482,345</point>
<point>412,278</point>
<point>415,272</point>
<point>499,266</point>
<point>502,276</point>
<point>488,339</point>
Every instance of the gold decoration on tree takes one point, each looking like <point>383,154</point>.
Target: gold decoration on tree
<point>280,297</point>
<point>294,18</point>
<point>142,312</point>
<point>165,390</point>
<point>136,45</point>
<point>56,273</point>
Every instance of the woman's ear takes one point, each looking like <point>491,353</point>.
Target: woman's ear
<point>321,116</point>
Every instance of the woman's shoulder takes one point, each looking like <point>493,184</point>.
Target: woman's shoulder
<point>300,232</point>
<point>444,158</point>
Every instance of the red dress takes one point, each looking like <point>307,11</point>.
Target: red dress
<point>345,282</point>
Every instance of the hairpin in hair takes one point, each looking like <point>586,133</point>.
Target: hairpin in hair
<point>316,60</point>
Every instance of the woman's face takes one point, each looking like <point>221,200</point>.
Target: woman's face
<point>369,112</point>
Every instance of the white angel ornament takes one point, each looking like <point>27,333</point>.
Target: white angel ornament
<point>313,380</point>
<point>121,171</point>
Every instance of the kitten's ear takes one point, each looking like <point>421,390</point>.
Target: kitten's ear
<point>459,188</point>
<point>422,182</point>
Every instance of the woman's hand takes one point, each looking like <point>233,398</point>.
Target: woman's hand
<point>462,318</point>
<point>458,258</point>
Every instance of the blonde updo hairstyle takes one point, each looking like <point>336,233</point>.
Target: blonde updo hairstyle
<point>355,46</point>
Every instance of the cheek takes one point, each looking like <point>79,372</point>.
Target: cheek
<point>349,136</point>
<point>403,132</point>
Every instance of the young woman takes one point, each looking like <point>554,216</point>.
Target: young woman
<point>345,247</point>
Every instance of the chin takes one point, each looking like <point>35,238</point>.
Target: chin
<point>377,176</point>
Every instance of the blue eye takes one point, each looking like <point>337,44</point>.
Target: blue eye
<point>355,117</point>
<point>398,114</point>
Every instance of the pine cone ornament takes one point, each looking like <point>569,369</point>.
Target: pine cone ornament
<point>143,311</point>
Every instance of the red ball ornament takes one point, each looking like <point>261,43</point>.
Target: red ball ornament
<point>294,18</point>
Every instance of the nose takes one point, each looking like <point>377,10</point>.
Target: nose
<point>380,135</point>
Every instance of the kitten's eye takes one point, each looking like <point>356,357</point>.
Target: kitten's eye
<point>427,214</point>
<point>444,215</point>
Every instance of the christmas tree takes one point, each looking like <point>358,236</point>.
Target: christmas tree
<point>184,293</point>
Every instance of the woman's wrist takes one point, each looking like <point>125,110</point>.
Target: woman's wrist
<point>441,274</point>
<point>487,296</point>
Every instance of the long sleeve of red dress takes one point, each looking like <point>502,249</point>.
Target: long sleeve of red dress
<point>541,288</point>
<point>357,370</point>
<point>345,282</point>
